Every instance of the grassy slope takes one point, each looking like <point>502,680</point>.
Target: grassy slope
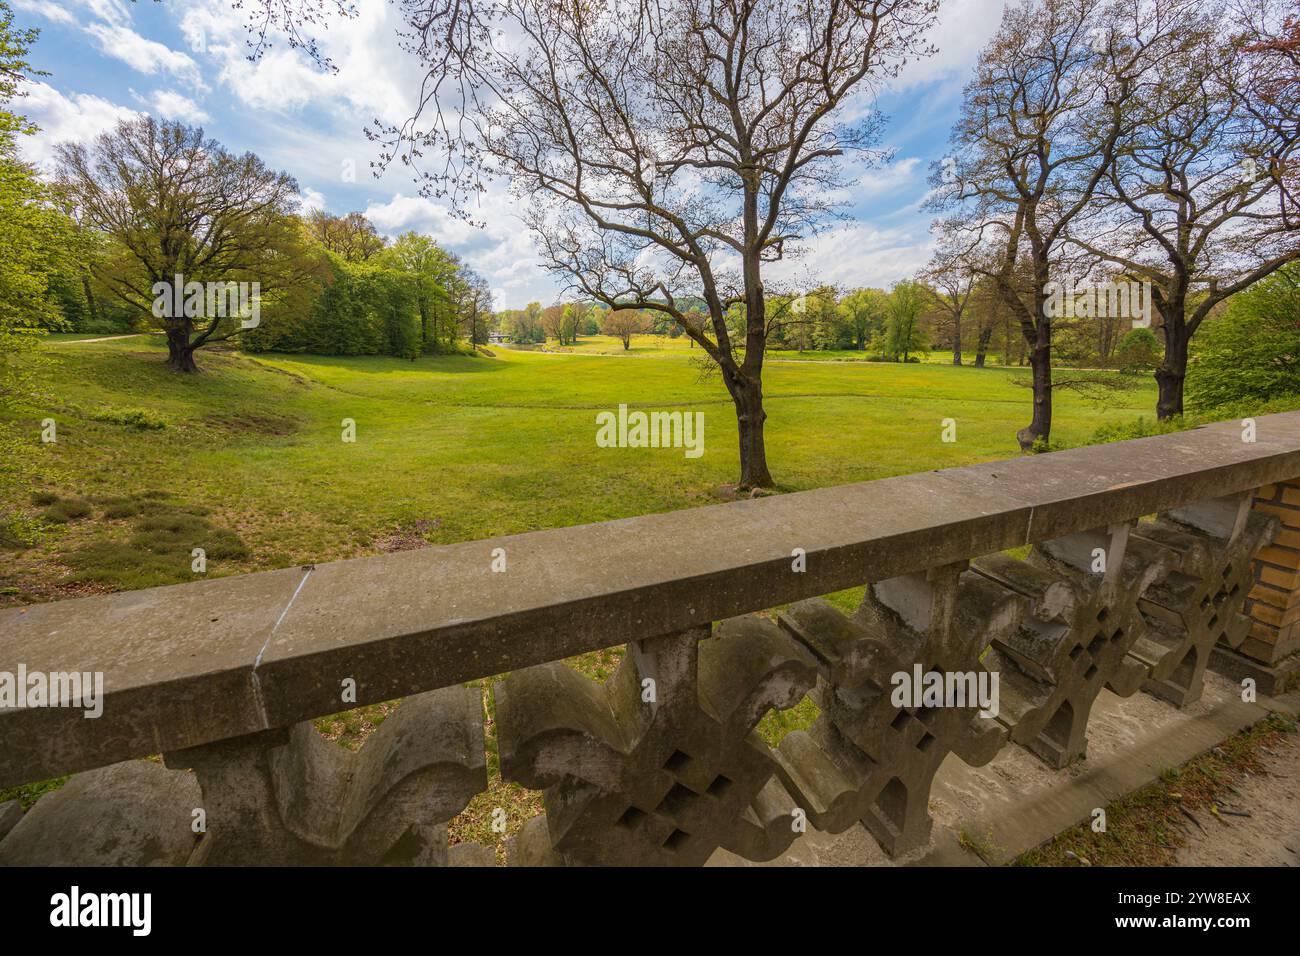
<point>460,448</point>
<point>471,447</point>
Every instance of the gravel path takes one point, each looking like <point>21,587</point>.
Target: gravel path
<point>1270,836</point>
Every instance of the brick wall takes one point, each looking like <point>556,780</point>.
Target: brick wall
<point>1274,601</point>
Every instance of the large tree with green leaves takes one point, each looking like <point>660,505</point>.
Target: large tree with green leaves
<point>864,314</point>
<point>1195,200</point>
<point>175,202</point>
<point>903,336</point>
<point>1250,353</point>
<point>437,276</point>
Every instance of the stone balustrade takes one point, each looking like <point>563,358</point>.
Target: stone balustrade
<point>1131,567</point>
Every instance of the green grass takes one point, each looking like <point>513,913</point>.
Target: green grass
<point>664,346</point>
<point>447,449</point>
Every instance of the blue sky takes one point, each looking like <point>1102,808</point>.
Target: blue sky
<point>186,60</point>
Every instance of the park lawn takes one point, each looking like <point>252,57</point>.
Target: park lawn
<point>655,346</point>
<point>664,346</point>
<point>447,448</point>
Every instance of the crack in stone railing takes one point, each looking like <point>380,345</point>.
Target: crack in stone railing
<point>257,661</point>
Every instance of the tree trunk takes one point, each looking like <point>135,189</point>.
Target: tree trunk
<point>180,354</point>
<point>1040,360</point>
<point>746,383</point>
<point>750,417</point>
<point>983,348</point>
<point>956,339</point>
<point>1172,371</point>
<point>91,307</point>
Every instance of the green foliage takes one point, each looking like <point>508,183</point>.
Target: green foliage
<point>438,283</point>
<point>28,793</point>
<point>863,314</point>
<point>36,240</point>
<point>524,326</point>
<point>1142,427</point>
<point>1252,352</point>
<point>1138,351</point>
<point>1138,428</point>
<point>902,335</point>
<point>830,329</point>
<point>362,309</point>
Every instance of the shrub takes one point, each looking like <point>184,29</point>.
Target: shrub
<point>1138,351</point>
<point>140,418</point>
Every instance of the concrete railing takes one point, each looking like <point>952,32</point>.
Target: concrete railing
<point>1142,558</point>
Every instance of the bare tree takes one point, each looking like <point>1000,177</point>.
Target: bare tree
<point>949,281</point>
<point>353,236</point>
<point>1037,133</point>
<point>1271,29</point>
<point>624,323</point>
<point>668,149</point>
<point>1193,202</point>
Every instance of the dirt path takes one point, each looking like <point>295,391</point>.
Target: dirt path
<point>1270,836</point>
<point>106,338</point>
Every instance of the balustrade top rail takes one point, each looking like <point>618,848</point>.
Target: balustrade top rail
<point>194,663</point>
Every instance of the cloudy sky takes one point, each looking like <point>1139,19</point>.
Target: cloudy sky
<point>187,60</point>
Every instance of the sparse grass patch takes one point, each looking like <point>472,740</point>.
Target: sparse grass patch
<point>350,728</point>
<point>981,846</point>
<point>65,510</point>
<point>28,793</point>
<point>1148,827</point>
<point>777,723</point>
<point>160,549</point>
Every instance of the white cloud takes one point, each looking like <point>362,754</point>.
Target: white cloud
<point>963,29</point>
<point>374,78</point>
<point>81,116</point>
<point>887,180</point>
<point>502,251</point>
<point>173,105</point>
<point>859,254</point>
<point>44,8</point>
<point>142,54</point>
<point>310,200</point>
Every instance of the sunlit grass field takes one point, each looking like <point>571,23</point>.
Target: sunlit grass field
<point>248,456</point>
<point>665,346</point>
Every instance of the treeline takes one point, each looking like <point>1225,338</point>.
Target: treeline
<point>899,324</point>
<point>153,205</point>
<point>350,292</point>
<point>366,296</point>
<point>563,322</point>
